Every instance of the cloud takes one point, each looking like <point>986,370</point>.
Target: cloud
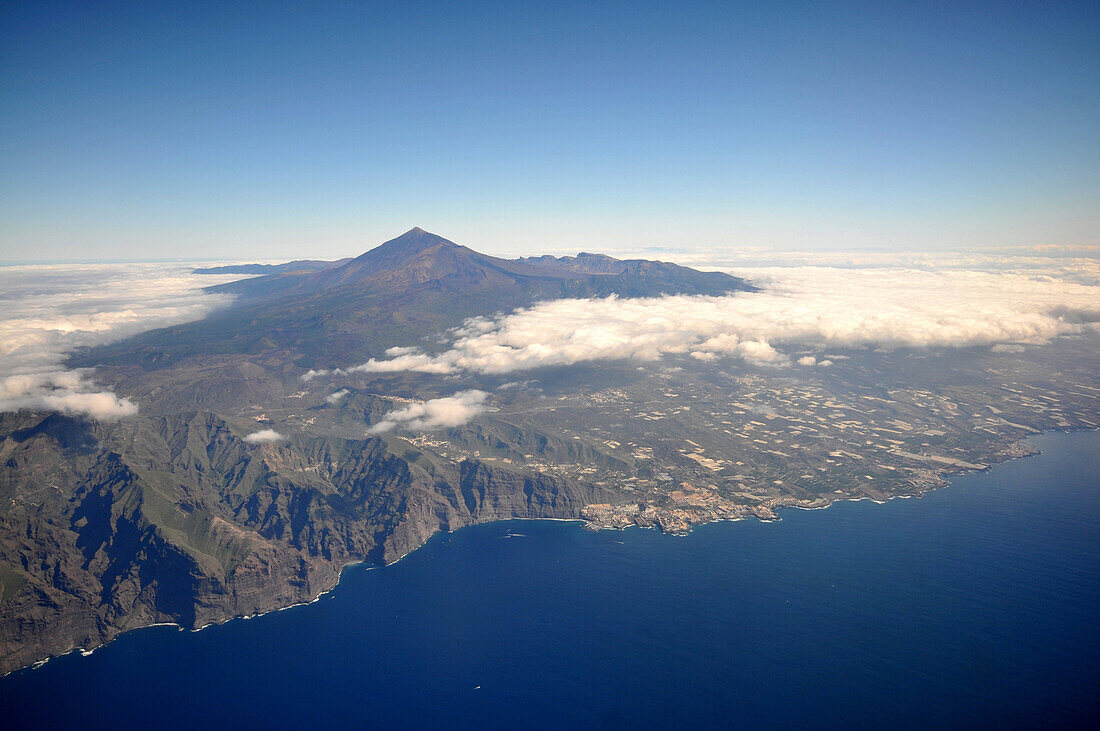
<point>65,391</point>
<point>50,310</point>
<point>266,436</point>
<point>1008,348</point>
<point>756,350</point>
<point>440,413</point>
<point>333,398</point>
<point>818,307</point>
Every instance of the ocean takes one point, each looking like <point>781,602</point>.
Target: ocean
<point>977,604</point>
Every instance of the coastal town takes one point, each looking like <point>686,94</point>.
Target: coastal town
<point>680,447</point>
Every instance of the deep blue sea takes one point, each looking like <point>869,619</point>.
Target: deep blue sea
<point>978,604</point>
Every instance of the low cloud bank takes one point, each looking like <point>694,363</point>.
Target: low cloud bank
<point>1065,261</point>
<point>69,392</point>
<point>801,307</point>
<point>50,310</point>
<point>440,413</point>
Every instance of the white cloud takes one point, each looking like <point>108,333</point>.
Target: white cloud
<point>440,413</point>
<point>807,360</point>
<point>265,436</point>
<point>333,398</point>
<point>1008,348</point>
<point>50,310</point>
<point>65,391</point>
<point>311,374</point>
<point>756,350</point>
<point>819,307</point>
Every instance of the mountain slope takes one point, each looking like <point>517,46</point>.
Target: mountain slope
<point>412,287</point>
<point>417,258</point>
<point>298,266</point>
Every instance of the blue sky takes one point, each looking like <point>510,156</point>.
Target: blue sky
<point>271,130</point>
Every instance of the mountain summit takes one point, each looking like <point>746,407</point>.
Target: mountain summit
<point>399,252</point>
<point>414,257</point>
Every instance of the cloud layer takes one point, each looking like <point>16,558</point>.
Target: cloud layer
<point>49,310</point>
<point>440,413</point>
<point>801,308</point>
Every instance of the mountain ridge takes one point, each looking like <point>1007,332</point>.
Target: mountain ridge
<point>298,266</point>
<point>412,287</point>
<point>418,257</point>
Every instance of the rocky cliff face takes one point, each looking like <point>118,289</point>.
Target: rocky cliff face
<point>106,528</point>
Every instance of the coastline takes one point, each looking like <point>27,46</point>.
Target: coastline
<point>582,522</point>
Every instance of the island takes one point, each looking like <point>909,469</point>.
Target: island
<point>326,418</point>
